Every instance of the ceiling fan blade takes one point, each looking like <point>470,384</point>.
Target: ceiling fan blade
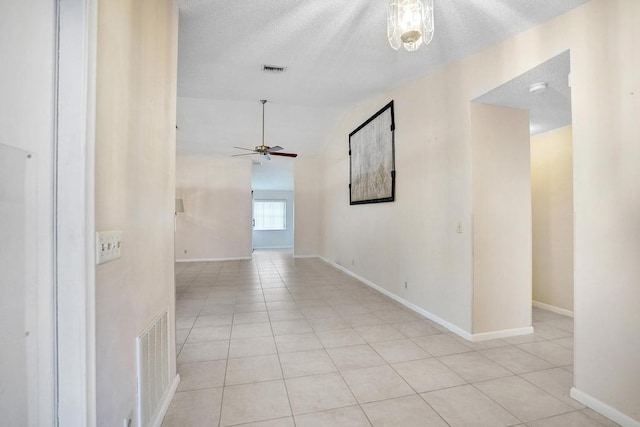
<point>262,149</point>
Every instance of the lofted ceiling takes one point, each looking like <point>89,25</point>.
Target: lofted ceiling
<point>336,54</point>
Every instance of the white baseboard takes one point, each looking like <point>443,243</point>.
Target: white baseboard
<point>485,336</point>
<point>450,326</point>
<point>214,259</point>
<point>553,308</point>
<point>306,256</point>
<point>166,401</point>
<point>453,328</point>
<point>604,409</point>
<point>273,247</point>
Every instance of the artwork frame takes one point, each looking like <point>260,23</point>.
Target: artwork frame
<point>372,171</point>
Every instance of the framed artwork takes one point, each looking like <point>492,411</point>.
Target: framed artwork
<point>372,159</point>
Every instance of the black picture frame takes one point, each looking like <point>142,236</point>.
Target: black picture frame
<point>372,171</point>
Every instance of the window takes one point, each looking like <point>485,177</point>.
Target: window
<point>270,214</point>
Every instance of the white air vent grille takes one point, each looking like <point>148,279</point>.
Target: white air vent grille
<point>153,368</point>
<point>273,69</point>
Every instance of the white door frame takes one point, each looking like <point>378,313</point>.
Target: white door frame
<point>74,212</point>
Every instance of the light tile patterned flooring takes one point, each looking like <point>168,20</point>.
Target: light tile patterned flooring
<point>278,341</point>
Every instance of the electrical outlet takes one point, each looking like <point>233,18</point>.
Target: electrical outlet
<point>185,251</point>
<point>406,285</point>
<point>459,228</point>
<point>108,246</point>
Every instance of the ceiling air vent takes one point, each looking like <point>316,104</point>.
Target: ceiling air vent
<point>277,69</point>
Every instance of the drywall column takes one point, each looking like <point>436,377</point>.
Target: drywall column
<point>501,219</point>
<point>307,207</point>
<point>552,203</point>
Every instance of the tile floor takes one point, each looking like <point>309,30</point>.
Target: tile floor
<point>278,341</point>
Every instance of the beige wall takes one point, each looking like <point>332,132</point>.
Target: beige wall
<point>605,86</point>
<point>501,184</point>
<point>216,223</point>
<point>552,203</point>
<point>306,207</point>
<point>135,177</point>
<point>415,238</point>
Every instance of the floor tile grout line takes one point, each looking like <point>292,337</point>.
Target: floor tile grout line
<point>346,384</point>
<point>564,413</point>
<point>498,403</point>
<point>518,418</point>
<point>224,380</point>
<point>548,392</point>
<point>260,421</point>
<point>539,357</point>
<point>284,382</point>
<point>356,405</point>
<point>420,395</point>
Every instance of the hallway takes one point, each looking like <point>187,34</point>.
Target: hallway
<point>278,341</point>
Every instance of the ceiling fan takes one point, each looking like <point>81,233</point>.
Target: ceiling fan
<point>264,150</point>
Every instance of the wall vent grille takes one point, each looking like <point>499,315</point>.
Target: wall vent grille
<point>152,368</point>
<point>273,69</point>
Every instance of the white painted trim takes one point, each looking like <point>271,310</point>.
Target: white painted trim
<point>485,336</point>
<point>213,259</point>
<point>166,401</point>
<point>553,308</point>
<point>453,328</point>
<point>74,216</point>
<point>307,256</point>
<point>604,409</point>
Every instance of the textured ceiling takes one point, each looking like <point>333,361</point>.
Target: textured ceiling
<point>336,52</point>
<point>548,110</point>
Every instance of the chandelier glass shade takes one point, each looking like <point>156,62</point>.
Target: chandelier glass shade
<point>410,23</point>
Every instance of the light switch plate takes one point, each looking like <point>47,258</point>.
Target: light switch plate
<point>108,246</point>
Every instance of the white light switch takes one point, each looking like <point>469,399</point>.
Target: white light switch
<point>108,246</point>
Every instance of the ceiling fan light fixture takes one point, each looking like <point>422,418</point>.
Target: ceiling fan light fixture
<point>410,23</point>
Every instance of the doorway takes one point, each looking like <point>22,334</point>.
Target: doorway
<point>544,91</point>
<point>272,204</point>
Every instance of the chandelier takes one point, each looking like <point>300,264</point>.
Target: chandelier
<point>410,23</point>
